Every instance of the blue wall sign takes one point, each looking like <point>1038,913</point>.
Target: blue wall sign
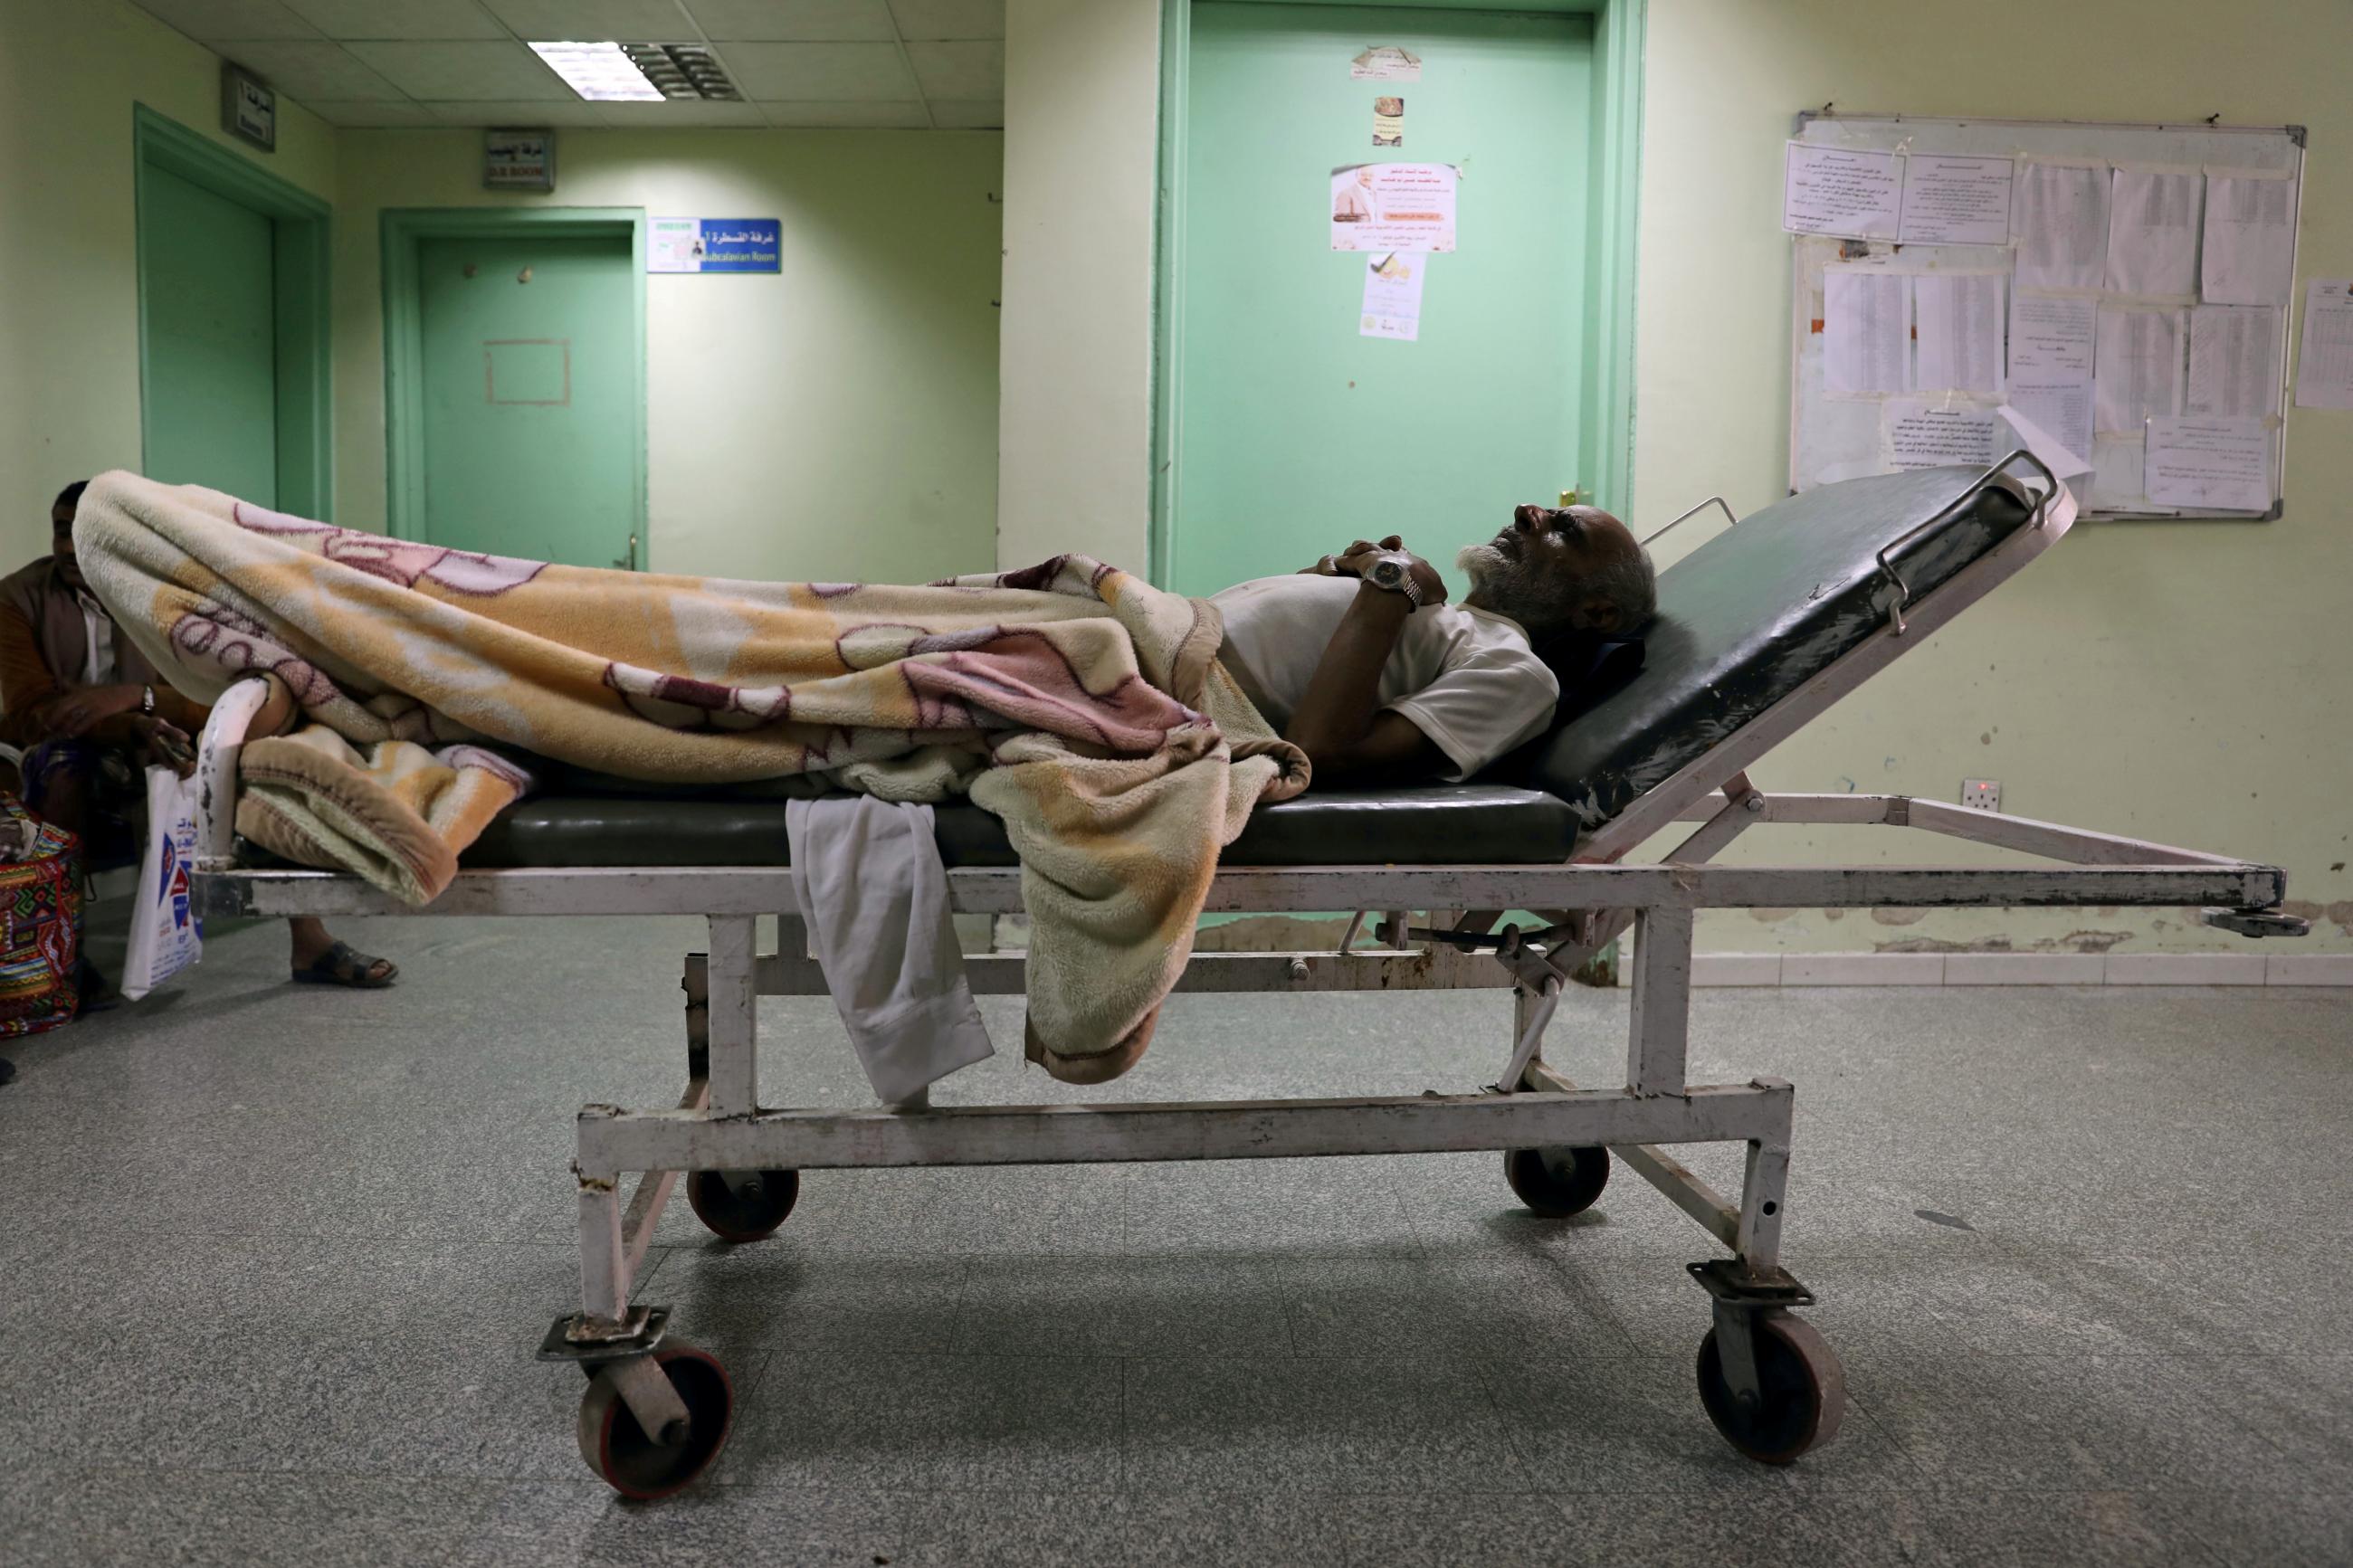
<point>714,245</point>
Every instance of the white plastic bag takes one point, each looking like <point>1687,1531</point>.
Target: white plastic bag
<point>166,937</point>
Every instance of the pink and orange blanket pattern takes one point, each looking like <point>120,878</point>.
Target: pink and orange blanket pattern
<point>1084,706</point>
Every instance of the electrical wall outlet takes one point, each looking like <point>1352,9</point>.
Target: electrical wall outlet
<point>1981,795</point>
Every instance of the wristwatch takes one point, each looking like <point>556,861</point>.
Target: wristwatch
<point>1394,574</point>
<point>147,699</point>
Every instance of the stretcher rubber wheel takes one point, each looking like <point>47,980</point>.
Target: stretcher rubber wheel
<point>1803,1385</point>
<point>1557,1182</point>
<point>742,1205</point>
<point>638,1466</point>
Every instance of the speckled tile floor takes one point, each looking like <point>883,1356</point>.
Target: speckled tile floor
<point>273,1264</point>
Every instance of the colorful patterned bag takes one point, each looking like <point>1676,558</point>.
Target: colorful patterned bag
<point>40,924</point>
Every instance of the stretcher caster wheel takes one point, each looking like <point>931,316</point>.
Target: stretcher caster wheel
<point>1558,1182</point>
<point>742,1205</point>
<point>645,1467</point>
<point>1803,1390</point>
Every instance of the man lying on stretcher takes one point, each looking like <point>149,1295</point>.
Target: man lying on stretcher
<point>1392,684</point>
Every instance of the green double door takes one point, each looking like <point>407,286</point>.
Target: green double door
<point>530,387</point>
<point>1294,433</point>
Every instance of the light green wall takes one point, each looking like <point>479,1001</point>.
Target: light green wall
<point>2182,681</point>
<point>838,421</point>
<point>69,72</point>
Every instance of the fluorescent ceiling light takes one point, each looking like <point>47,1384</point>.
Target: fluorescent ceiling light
<point>600,72</point>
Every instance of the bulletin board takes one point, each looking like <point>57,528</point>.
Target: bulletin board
<point>1948,332</point>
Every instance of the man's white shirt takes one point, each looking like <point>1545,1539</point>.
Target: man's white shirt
<point>1466,677</point>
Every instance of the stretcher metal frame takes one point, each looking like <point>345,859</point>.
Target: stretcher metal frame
<point>1553,1130</point>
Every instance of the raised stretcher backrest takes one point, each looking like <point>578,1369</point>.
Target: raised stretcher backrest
<point>1754,614</point>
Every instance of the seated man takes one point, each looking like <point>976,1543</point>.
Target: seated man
<point>1396,686</point>
<point>91,712</point>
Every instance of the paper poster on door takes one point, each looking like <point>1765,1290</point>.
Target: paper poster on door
<point>1393,206</point>
<point>1386,62</point>
<point>1393,297</point>
<point>1389,122</point>
<point>714,245</point>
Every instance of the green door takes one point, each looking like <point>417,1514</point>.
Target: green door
<point>529,381</point>
<point>1294,433</point>
<point>211,378</point>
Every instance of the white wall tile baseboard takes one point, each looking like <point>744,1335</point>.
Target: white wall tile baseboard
<point>1727,969</point>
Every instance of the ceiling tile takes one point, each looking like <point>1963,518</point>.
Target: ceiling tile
<point>637,21</point>
<point>953,115</point>
<point>574,115</point>
<point>810,72</point>
<point>406,19</point>
<point>793,21</point>
<point>928,19</point>
<point>378,114</point>
<point>465,71</point>
<point>832,116</point>
<point>209,21</point>
<point>678,115</point>
<point>306,72</point>
<point>967,71</point>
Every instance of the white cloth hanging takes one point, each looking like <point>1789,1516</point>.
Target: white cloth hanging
<point>868,875</point>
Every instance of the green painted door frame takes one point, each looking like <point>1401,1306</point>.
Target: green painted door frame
<point>299,222</point>
<point>1607,441</point>
<point>405,228</point>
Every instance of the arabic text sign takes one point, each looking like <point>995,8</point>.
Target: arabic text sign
<point>1393,206</point>
<point>714,245</point>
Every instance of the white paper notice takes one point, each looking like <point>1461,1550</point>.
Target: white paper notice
<point>2140,367</point>
<point>1393,206</point>
<point>671,242</point>
<point>1866,327</point>
<point>1920,435</point>
<point>1393,297</point>
<point>2233,361</point>
<point>1955,201</point>
<point>1843,191</point>
<point>1385,63</point>
<point>2060,414</point>
<point>2250,251</point>
<point>1959,331</point>
<point>2051,336</point>
<point>2153,234</point>
<point>2059,216</point>
<point>2043,445</point>
<point>2116,480</point>
<point>2324,370</point>
<point>2225,464</point>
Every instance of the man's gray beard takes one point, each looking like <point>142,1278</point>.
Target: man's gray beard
<point>1507,587</point>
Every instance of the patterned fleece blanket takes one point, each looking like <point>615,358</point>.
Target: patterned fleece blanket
<point>1081,706</point>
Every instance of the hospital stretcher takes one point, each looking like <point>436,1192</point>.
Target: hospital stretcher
<point>1760,629</point>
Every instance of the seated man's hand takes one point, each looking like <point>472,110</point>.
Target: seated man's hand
<point>165,744</point>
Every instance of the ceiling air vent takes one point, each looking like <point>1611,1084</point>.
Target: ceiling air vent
<point>682,70</point>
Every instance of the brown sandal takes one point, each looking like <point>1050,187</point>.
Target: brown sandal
<point>343,964</point>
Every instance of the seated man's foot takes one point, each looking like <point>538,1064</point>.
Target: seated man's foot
<point>342,964</point>
<point>7,1071</point>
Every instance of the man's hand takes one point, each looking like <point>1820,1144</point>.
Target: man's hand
<point>71,716</point>
<point>1357,560</point>
<point>165,744</point>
